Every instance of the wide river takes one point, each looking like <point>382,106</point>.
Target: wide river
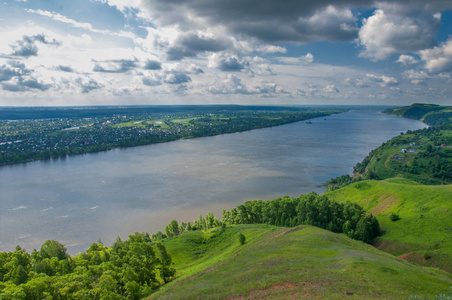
<point>79,199</point>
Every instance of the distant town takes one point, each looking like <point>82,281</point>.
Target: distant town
<point>23,140</point>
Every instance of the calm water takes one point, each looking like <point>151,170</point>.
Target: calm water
<point>79,199</point>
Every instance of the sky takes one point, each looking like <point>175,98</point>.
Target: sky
<point>248,52</point>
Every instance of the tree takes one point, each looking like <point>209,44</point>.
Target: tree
<point>166,271</point>
<point>52,248</point>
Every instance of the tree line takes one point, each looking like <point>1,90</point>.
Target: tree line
<point>311,209</point>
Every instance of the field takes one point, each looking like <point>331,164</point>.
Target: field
<point>423,234</point>
<point>300,262</point>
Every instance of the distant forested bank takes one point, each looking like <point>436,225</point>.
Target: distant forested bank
<point>56,133</point>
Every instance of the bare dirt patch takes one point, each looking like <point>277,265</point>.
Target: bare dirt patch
<point>384,204</point>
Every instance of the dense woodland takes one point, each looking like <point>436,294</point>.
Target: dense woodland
<point>129,269</point>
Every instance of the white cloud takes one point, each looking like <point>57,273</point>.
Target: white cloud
<point>331,88</point>
<point>308,58</point>
<point>394,30</point>
<point>407,60</point>
<point>438,59</point>
<point>372,79</point>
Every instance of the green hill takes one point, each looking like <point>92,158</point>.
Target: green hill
<point>428,113</point>
<point>300,262</point>
<point>423,234</point>
<point>423,155</point>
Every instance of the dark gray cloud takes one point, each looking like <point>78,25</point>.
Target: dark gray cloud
<point>7,72</point>
<point>114,66</point>
<point>153,65</point>
<point>269,20</point>
<point>65,69</point>
<point>88,84</point>
<point>266,20</point>
<point>230,64</point>
<point>25,85</point>
<point>191,44</point>
<point>198,43</point>
<point>19,76</point>
<point>177,78</point>
<point>27,46</point>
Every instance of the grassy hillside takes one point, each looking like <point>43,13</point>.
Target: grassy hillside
<point>301,262</point>
<point>422,155</point>
<point>424,232</point>
<point>428,113</point>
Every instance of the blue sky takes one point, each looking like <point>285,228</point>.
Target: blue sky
<point>291,52</point>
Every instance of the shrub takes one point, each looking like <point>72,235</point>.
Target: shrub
<point>242,239</point>
<point>394,217</point>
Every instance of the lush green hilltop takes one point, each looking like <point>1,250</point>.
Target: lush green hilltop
<point>416,219</point>
<point>300,262</point>
<point>428,113</point>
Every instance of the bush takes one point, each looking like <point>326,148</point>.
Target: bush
<point>394,217</point>
<point>242,239</point>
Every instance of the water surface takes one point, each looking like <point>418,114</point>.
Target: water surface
<point>79,199</point>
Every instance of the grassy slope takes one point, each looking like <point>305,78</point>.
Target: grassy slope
<point>425,227</point>
<point>304,262</point>
<point>428,113</point>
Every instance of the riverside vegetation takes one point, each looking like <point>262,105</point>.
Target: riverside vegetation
<point>39,134</point>
<point>305,247</point>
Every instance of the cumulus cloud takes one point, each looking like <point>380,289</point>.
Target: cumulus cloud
<point>115,66</point>
<point>369,79</point>
<point>21,84</point>
<point>308,58</point>
<point>227,63</point>
<point>231,85</point>
<point>87,84</point>
<point>152,65</point>
<point>65,69</point>
<point>265,20</point>
<point>396,29</point>
<point>331,88</point>
<point>27,46</point>
<point>438,59</point>
<point>407,60</point>
<point>192,43</point>
<point>177,78</point>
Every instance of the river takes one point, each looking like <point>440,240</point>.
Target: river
<point>79,199</point>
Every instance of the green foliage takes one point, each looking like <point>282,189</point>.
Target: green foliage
<point>127,270</point>
<point>242,238</point>
<point>394,217</point>
<point>310,209</point>
<point>166,271</point>
<point>341,181</point>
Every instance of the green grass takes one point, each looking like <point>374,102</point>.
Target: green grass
<point>185,122</point>
<point>425,225</point>
<point>134,123</point>
<point>281,263</point>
